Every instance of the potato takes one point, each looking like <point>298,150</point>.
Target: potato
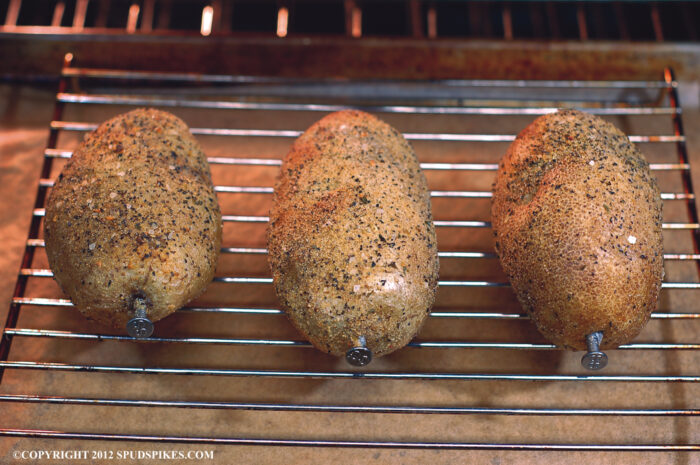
<point>577,219</point>
<point>133,217</point>
<point>351,241</point>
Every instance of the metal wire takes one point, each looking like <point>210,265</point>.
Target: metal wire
<point>40,212</point>
<point>347,444</point>
<point>150,76</point>
<point>436,313</point>
<point>407,109</point>
<point>263,251</point>
<point>28,270</point>
<point>27,332</point>
<point>65,154</point>
<point>47,273</point>
<point>289,133</point>
<point>433,194</point>
<point>297,374</point>
<point>408,409</point>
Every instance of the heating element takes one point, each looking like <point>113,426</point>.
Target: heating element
<point>603,20</point>
<point>476,335</point>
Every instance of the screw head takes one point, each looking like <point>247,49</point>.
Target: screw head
<point>139,327</point>
<point>594,360</point>
<point>358,356</point>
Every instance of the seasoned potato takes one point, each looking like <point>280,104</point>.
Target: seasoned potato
<point>577,221</point>
<point>351,240</point>
<point>133,215</point>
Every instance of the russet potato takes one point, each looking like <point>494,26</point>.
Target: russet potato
<point>133,215</point>
<point>577,220</point>
<point>351,241</point>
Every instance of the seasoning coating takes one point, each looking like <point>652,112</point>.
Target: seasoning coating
<point>351,241</point>
<point>577,219</point>
<point>134,214</point>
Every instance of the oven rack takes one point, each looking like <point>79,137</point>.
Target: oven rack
<point>666,88</point>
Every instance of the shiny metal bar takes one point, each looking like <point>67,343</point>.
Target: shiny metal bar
<point>37,273</point>
<point>80,13</point>
<point>234,310</point>
<point>288,133</point>
<point>12,14</point>
<point>58,11</point>
<point>447,254</point>
<point>462,224</point>
<point>244,219</point>
<point>467,255</point>
<point>436,313</point>
<point>677,196</point>
<point>28,332</point>
<point>244,161</point>
<point>680,226</point>
<point>244,250</point>
<point>147,16</point>
<point>238,79</point>
<point>581,22</point>
<point>66,367</point>
<point>246,190</point>
<point>356,444</point>
<point>472,284</point>
<point>110,99</point>
<point>242,280</point>
<point>40,212</point>
<point>680,285</point>
<point>681,256</point>
<point>507,20</point>
<point>403,409</point>
<point>133,18</point>
<point>42,301</point>
<point>431,22</point>
<point>435,194</point>
<point>47,273</point>
<point>669,166</point>
<point>53,153</point>
<point>656,22</point>
<point>46,434</point>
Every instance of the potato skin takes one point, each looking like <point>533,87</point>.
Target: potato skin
<point>351,241</point>
<point>577,218</point>
<point>134,214</point>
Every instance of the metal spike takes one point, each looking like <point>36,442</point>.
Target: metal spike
<point>359,355</point>
<point>139,326</point>
<point>594,359</point>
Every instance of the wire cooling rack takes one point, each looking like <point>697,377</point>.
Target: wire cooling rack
<point>476,334</point>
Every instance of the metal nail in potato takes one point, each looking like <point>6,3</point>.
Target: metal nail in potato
<point>351,241</point>
<point>577,220</point>
<point>132,226</point>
